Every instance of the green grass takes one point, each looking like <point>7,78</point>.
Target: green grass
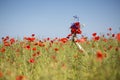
<point>66,63</point>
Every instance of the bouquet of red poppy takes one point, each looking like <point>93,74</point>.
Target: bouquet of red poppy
<point>75,28</point>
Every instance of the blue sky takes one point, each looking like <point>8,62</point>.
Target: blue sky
<point>52,18</point>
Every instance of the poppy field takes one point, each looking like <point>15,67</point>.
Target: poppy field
<point>60,59</point>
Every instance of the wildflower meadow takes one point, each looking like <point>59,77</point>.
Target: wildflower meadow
<point>32,58</point>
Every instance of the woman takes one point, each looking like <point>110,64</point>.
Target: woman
<point>75,29</point>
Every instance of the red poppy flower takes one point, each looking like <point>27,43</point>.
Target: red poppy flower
<point>99,55</point>
<point>1,74</point>
<point>32,60</point>
<point>48,38</point>
<point>94,34</point>
<point>64,40</point>
<point>110,29</point>
<point>12,40</point>
<point>6,43</point>
<point>38,53</point>
<point>113,35</point>
<point>56,49</point>
<point>33,35</point>
<point>96,38</point>
<point>118,36</point>
<point>34,55</point>
<point>28,46</point>
<point>81,40</point>
<point>41,44</point>
<point>117,48</point>
<point>2,50</point>
<point>31,39</point>
<point>34,49</point>
<point>21,77</point>
<point>7,37</point>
